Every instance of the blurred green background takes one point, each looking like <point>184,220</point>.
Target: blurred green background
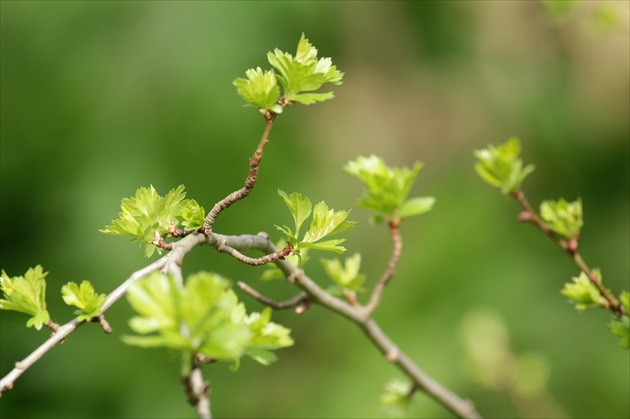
<point>100,98</point>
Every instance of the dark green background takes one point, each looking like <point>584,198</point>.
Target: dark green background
<point>99,98</point>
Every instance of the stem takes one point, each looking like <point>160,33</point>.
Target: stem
<point>180,249</point>
<point>361,317</point>
<point>301,298</point>
<point>250,182</point>
<point>377,293</point>
<point>530,216</point>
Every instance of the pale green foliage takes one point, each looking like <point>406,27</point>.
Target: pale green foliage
<point>202,317</point>
<point>396,399</point>
<point>345,276</point>
<point>564,218</point>
<point>303,72</point>
<point>26,294</point>
<point>147,212</point>
<point>88,301</point>
<point>266,336</point>
<point>582,292</point>
<point>260,89</point>
<point>325,222</point>
<point>387,188</point>
<point>501,167</point>
<point>621,327</point>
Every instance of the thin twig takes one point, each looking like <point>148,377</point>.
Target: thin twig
<point>299,299</point>
<point>357,314</point>
<point>272,257</point>
<point>180,248</point>
<point>570,247</point>
<point>250,182</point>
<point>377,293</point>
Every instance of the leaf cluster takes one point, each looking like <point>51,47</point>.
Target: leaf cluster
<point>621,327</point>
<point>147,212</point>
<point>26,294</point>
<point>346,276</point>
<point>562,217</point>
<point>88,301</point>
<point>387,188</point>
<point>582,293</point>
<point>325,222</point>
<point>500,166</point>
<point>297,74</point>
<point>203,317</point>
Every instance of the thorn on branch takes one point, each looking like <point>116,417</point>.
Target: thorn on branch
<point>301,302</point>
<point>100,319</point>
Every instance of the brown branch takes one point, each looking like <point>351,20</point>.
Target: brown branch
<point>250,182</point>
<point>357,314</point>
<point>272,257</point>
<point>570,247</point>
<point>387,276</point>
<point>300,299</point>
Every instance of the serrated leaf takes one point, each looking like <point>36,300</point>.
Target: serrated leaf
<point>565,218</point>
<point>326,222</point>
<point>147,212</point>
<point>304,72</point>
<point>26,294</point>
<point>310,98</point>
<point>299,206</point>
<point>582,293</point>
<point>88,301</point>
<point>624,297</point>
<point>192,214</point>
<point>500,166</point>
<point>202,317</point>
<point>387,188</point>
<point>259,88</point>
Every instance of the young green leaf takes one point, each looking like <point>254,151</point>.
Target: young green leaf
<point>326,245</point>
<point>266,336</point>
<point>387,188</point>
<point>300,208</point>
<point>88,301</point>
<point>202,317</point>
<point>500,166</point>
<point>326,222</point>
<point>259,89</point>
<point>193,215</point>
<point>304,73</point>
<point>582,292</point>
<point>565,218</point>
<point>621,328</point>
<point>346,276</point>
<point>26,294</point>
<point>396,399</point>
<point>147,212</point>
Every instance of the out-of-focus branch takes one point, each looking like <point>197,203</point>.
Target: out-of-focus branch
<point>571,248</point>
<point>198,391</point>
<point>377,293</point>
<point>250,182</point>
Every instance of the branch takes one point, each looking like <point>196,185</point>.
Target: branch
<point>224,248</point>
<point>180,249</point>
<point>571,246</point>
<point>198,391</point>
<point>250,182</point>
<point>358,315</point>
<point>301,298</point>
<point>375,298</point>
